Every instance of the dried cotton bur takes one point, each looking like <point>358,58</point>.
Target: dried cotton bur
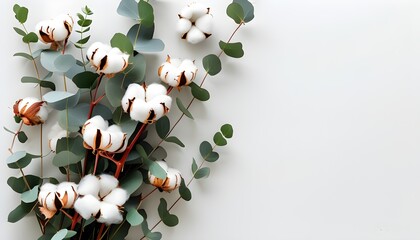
<point>172,180</point>
<point>146,104</point>
<point>55,31</point>
<point>31,110</point>
<point>195,23</point>
<point>177,72</point>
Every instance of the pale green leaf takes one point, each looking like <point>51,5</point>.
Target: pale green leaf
<point>212,64</point>
<point>122,42</point>
<point>232,49</point>
<point>30,195</point>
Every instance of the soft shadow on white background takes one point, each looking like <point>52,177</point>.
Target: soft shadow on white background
<point>325,106</point>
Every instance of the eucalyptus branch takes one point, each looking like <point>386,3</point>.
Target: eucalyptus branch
<point>14,138</point>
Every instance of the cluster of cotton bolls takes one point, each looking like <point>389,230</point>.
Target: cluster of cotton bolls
<point>146,104</point>
<point>106,59</point>
<point>195,23</point>
<point>101,198</point>
<point>98,136</point>
<point>172,180</point>
<point>53,198</point>
<point>176,72</point>
<point>31,110</point>
<point>55,31</point>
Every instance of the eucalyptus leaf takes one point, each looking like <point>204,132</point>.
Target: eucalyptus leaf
<point>77,116</point>
<point>56,62</point>
<point>212,157</point>
<point>132,181</point>
<point>227,130</point>
<point>142,38</point>
<point>212,64</point>
<point>183,109</point>
<point>146,15</point>
<point>248,9</point>
<point>72,144</point>
<point>205,149</point>
<point>15,157</point>
<point>232,49</point>
<point>30,195</point>
<point>163,127</point>
<point>85,79</point>
<point>198,92</point>
<point>133,217</point>
<point>47,84</point>
<point>128,8</point>
<point>30,38</point>
<point>173,139</point>
<point>66,158</point>
<point>114,92</point>
<point>22,137</point>
<point>167,218</point>
<point>141,32</point>
<point>160,153</point>
<point>184,192</point>
<point>136,71</point>
<point>149,46</point>
<point>20,212</point>
<point>21,13</point>
<point>60,100</point>
<point>27,79</point>
<point>202,173</point>
<point>18,184</point>
<point>19,31</point>
<point>236,12</point>
<point>63,234</point>
<point>219,140</point>
<point>24,55</point>
<point>194,166</point>
<point>122,42</point>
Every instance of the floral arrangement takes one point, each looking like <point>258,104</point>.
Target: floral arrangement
<point>99,124</point>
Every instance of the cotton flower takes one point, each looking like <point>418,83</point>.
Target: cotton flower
<point>31,110</point>
<point>172,180</point>
<point>101,198</point>
<point>195,23</point>
<point>56,31</point>
<point>55,133</point>
<point>107,60</point>
<point>98,136</point>
<point>176,72</point>
<point>53,198</point>
<point>146,104</point>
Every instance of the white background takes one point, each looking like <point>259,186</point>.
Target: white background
<point>325,106</point>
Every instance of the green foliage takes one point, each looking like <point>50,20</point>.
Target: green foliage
<point>63,234</point>
<point>128,8</point>
<point>194,166</point>
<point>146,14</point>
<point>114,92</point>
<point>122,42</point>
<point>85,79</point>
<point>134,217</point>
<point>145,228</point>
<point>167,218</point>
<point>20,212</point>
<point>30,38</point>
<point>163,127</point>
<point>184,192</point>
<point>132,181</point>
<point>247,8</point>
<point>212,64</point>
<point>199,92</point>
<point>232,49</point>
<point>142,38</point>
<point>136,71</point>
<point>61,100</point>
<point>21,13</point>
<point>19,159</point>
<point>183,109</point>
<point>42,83</point>
<point>72,144</point>
<point>30,195</point>
<point>202,173</point>
<point>120,231</point>
<point>20,31</point>
<point>227,130</point>
<point>65,158</point>
<point>77,116</point>
<point>154,168</point>
<point>235,11</point>
<point>219,140</point>
<point>24,55</point>
<point>22,137</point>
<point>207,153</point>
<point>57,62</point>
<point>18,184</point>
<point>173,139</point>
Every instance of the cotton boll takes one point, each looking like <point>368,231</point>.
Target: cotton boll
<point>107,183</point>
<point>87,206</point>
<point>115,63</point>
<point>46,189</point>
<point>67,191</point>
<point>183,26</point>
<point>31,110</point>
<point>195,36</point>
<point>89,185</point>
<point>205,23</point>
<point>154,90</point>
<point>117,196</point>
<point>56,133</point>
<point>51,202</point>
<point>118,139</point>
<point>173,180</point>
<point>198,10</point>
<point>186,12</point>
<point>140,113</point>
<point>134,91</point>
<point>110,214</point>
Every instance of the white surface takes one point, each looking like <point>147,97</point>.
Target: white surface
<point>326,111</point>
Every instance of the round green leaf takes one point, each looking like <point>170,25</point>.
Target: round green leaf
<point>122,42</point>
<point>168,219</point>
<point>132,182</point>
<point>137,68</point>
<point>30,195</point>
<point>212,64</point>
<point>184,192</point>
<point>61,100</point>
<point>22,137</point>
<point>232,49</point>
<point>85,79</point>
<point>227,130</point>
<point>202,173</point>
<point>219,140</point>
<point>146,13</point>
<point>133,217</point>
<point>63,234</point>
<point>248,9</point>
<point>205,149</point>
<point>198,92</point>
<point>162,127</point>
<point>235,11</point>
<point>66,158</point>
<point>18,184</point>
<point>21,13</point>
<point>128,8</point>
<point>20,211</point>
<point>30,37</point>
<point>114,92</point>
<point>212,157</point>
<point>15,157</point>
<point>183,108</point>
